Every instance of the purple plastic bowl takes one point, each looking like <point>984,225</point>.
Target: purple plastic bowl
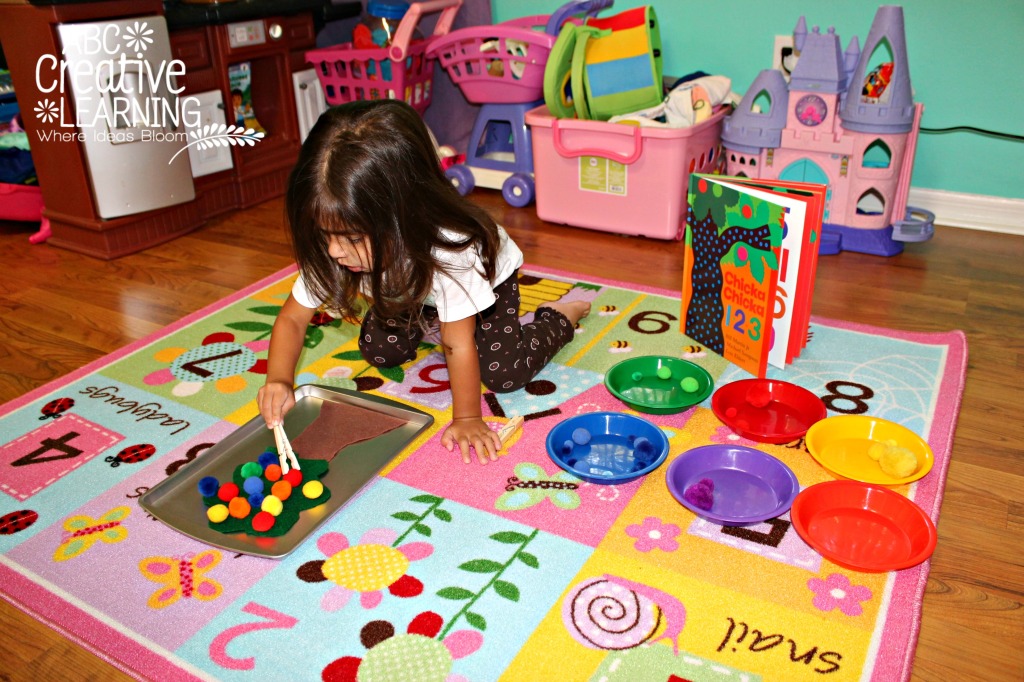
<point>750,486</point>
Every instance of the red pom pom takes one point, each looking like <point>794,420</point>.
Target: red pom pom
<point>262,522</point>
<point>227,492</point>
<point>294,476</point>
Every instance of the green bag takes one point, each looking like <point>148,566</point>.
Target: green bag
<point>605,67</point>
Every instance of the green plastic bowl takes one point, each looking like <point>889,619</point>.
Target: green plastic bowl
<point>637,383</point>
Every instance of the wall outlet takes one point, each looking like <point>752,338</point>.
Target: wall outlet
<point>783,55</point>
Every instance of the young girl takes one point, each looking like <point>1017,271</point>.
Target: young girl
<point>374,220</point>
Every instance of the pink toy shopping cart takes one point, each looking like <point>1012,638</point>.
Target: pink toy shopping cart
<point>502,68</point>
<point>401,70</point>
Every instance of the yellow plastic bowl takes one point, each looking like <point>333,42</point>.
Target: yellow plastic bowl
<point>841,445</point>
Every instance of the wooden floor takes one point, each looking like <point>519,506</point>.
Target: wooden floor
<point>60,310</point>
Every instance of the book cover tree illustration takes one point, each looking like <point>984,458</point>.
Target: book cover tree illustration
<point>730,271</point>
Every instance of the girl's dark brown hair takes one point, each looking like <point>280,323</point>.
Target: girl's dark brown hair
<point>370,168</point>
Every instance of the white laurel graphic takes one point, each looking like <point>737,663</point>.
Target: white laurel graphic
<point>46,111</point>
<point>137,37</point>
<point>221,135</point>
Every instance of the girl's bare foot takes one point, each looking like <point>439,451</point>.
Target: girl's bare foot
<point>574,310</point>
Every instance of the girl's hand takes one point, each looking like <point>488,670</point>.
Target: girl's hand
<point>472,432</point>
<point>274,399</point>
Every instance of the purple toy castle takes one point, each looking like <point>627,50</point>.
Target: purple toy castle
<point>846,119</point>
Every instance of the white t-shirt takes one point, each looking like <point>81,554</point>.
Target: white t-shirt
<point>462,294</point>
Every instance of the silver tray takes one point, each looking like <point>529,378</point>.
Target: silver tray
<point>176,501</point>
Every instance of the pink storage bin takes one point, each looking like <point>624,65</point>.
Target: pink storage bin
<point>24,203</point>
<point>21,202</point>
<point>619,178</point>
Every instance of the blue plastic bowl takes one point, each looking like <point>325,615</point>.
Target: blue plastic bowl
<point>611,455</point>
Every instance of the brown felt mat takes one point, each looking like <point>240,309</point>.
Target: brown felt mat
<point>339,426</point>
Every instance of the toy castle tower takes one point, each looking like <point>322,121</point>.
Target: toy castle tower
<point>846,119</point>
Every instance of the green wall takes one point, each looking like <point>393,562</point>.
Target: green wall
<point>966,66</point>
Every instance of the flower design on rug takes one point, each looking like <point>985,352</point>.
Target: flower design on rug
<point>81,532</point>
<point>181,577</point>
<point>653,534</point>
<point>726,436</point>
<point>836,591</point>
<point>368,567</point>
<point>418,654</point>
<point>219,360</point>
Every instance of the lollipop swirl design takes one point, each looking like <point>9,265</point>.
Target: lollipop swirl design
<point>612,613</point>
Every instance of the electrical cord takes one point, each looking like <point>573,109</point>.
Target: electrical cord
<point>972,129</point>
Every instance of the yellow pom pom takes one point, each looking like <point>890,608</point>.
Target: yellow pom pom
<point>879,448</point>
<point>217,513</point>
<point>898,462</point>
<point>312,489</point>
<point>272,505</point>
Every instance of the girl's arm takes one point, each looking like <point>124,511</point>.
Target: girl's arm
<point>468,427</point>
<point>277,395</point>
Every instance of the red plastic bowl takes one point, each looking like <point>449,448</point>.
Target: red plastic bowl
<point>863,527</point>
<point>767,410</point>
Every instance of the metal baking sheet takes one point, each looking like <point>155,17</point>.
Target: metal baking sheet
<point>176,501</point>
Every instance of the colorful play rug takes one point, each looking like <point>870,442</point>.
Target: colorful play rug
<point>445,571</point>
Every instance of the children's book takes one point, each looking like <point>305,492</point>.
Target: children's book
<point>240,78</point>
<point>748,267</point>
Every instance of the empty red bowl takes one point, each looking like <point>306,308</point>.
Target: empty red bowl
<point>863,527</point>
<point>767,410</point>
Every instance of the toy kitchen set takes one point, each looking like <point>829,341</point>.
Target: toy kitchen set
<point>146,118</point>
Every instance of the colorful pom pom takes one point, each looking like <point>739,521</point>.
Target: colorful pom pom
<point>250,469</point>
<point>664,372</point>
<point>581,436</point>
<point>208,486</point>
<point>282,490</point>
<point>294,476</point>
<point>263,521</point>
<point>644,449</point>
<point>701,494</point>
<point>267,458</point>
<point>217,513</point>
<point>689,384</point>
<point>272,505</point>
<point>758,396</point>
<point>253,484</point>
<point>273,472</point>
<point>227,492</point>
<point>567,447</point>
<point>312,489</point>
<point>637,376</point>
<point>256,500</point>
<point>239,507</point>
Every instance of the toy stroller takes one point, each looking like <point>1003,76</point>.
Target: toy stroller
<point>502,68</point>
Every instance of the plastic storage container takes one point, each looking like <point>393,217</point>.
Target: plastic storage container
<point>619,178</point>
<point>401,70</point>
<point>380,22</point>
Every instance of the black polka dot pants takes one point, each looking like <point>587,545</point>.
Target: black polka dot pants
<point>511,353</point>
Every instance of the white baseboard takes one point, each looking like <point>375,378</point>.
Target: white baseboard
<point>972,211</point>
